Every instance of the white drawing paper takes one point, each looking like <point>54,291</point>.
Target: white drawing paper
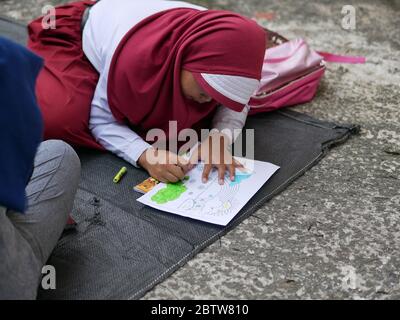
<point>211,202</point>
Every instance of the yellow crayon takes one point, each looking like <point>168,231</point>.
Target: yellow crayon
<point>120,174</point>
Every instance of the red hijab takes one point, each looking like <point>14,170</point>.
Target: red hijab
<point>144,86</point>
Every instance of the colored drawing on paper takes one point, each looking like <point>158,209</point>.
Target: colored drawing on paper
<point>170,193</point>
<point>211,202</point>
<point>240,177</point>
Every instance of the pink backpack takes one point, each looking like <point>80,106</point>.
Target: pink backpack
<point>291,73</point>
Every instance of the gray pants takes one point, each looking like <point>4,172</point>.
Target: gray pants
<point>27,240</point>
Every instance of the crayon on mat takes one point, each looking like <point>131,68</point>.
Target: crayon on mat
<point>120,174</point>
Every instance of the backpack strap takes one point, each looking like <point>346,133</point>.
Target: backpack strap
<point>330,57</point>
<point>275,39</point>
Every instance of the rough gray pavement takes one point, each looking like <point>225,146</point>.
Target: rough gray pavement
<point>335,232</point>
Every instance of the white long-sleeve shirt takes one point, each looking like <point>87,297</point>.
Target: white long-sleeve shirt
<point>108,22</point>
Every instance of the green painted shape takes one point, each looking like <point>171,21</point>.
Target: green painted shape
<point>170,193</point>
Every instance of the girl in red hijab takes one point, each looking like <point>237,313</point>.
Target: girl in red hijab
<point>136,66</point>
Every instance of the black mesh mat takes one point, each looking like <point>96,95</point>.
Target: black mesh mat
<point>120,248</point>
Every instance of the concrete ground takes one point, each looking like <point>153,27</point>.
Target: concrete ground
<point>335,232</point>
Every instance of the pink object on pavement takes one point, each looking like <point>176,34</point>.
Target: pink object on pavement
<point>291,75</point>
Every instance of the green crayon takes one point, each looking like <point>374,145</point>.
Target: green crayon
<point>120,174</point>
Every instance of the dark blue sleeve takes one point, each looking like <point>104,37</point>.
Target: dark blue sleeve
<point>21,123</point>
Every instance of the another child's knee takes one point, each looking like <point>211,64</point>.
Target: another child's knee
<point>69,160</point>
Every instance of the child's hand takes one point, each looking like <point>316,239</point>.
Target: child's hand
<point>214,151</point>
<point>163,165</point>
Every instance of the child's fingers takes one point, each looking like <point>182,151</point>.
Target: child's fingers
<point>176,171</point>
<point>206,172</point>
<point>185,165</point>
<point>160,178</point>
<point>170,177</point>
<point>238,165</point>
<point>221,173</point>
<point>195,157</point>
<point>232,170</point>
